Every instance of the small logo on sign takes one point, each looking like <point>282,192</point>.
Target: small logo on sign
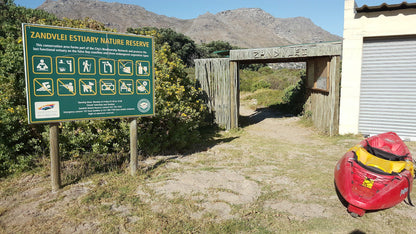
<point>44,110</point>
<point>143,105</point>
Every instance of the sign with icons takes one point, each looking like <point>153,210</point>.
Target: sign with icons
<point>74,74</point>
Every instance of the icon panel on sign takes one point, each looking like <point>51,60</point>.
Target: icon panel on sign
<point>143,86</point>
<point>125,67</point>
<point>66,87</point>
<point>142,68</point>
<point>43,87</point>
<point>42,64</point>
<point>87,87</point>
<point>65,65</point>
<point>86,66</point>
<point>107,67</point>
<point>108,87</point>
<point>126,86</point>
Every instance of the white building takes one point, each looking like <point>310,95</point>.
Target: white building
<point>378,86</point>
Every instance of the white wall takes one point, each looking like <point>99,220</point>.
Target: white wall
<point>356,27</point>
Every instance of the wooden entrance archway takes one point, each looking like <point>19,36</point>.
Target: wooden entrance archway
<point>219,78</point>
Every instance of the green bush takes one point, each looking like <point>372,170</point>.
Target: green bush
<point>261,84</point>
<point>180,110</point>
<point>94,136</point>
<point>265,98</point>
<point>19,142</point>
<point>293,100</point>
<point>265,70</point>
<point>266,77</point>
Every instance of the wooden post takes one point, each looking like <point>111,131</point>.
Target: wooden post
<point>336,92</point>
<point>55,160</point>
<point>133,146</point>
<point>234,97</point>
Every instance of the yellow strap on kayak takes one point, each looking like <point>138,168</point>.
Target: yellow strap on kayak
<point>385,165</point>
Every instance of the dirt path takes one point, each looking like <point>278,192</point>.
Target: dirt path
<point>228,181</point>
<point>274,175</point>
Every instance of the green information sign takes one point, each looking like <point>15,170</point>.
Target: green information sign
<point>74,74</point>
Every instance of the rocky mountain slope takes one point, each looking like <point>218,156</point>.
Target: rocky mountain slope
<point>244,27</point>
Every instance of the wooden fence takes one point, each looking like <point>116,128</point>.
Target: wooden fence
<point>214,78</point>
<point>219,78</point>
<point>323,106</point>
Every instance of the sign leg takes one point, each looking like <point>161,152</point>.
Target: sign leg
<point>133,146</point>
<point>55,160</point>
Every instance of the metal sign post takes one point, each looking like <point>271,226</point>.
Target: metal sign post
<point>74,74</point>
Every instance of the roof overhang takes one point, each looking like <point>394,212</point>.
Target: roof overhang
<point>385,7</point>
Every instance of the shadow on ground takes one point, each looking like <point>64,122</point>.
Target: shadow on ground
<point>89,163</point>
<point>261,114</point>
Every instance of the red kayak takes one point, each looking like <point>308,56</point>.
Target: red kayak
<point>376,174</point>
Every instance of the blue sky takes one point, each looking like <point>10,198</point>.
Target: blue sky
<point>328,14</point>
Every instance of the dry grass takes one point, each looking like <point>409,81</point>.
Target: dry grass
<point>275,176</point>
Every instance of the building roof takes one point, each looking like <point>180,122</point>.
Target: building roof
<point>385,7</point>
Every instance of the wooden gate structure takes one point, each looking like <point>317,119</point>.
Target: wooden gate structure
<point>219,78</point>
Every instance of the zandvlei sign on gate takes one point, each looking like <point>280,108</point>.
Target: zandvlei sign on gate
<point>74,74</point>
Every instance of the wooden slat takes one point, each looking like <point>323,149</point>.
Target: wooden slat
<point>324,106</point>
<point>214,77</point>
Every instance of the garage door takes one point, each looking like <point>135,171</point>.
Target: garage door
<point>388,87</point>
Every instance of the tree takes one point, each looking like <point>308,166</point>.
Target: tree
<point>179,44</point>
<point>218,46</point>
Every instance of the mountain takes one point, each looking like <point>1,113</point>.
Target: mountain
<point>244,27</point>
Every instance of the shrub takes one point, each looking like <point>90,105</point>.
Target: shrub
<point>261,84</point>
<point>180,111</point>
<point>18,140</point>
<point>265,98</point>
<point>94,136</point>
<point>268,78</point>
<point>265,70</point>
<point>294,98</point>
